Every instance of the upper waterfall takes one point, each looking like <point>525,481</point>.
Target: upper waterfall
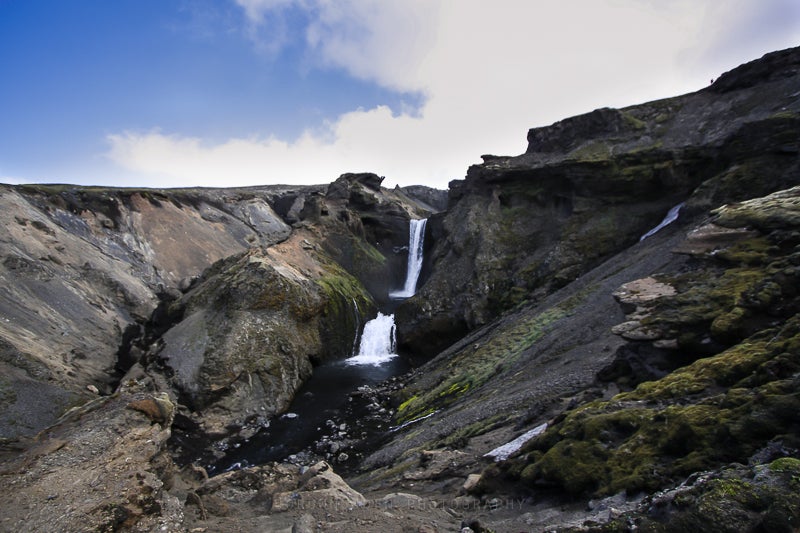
<point>416,241</point>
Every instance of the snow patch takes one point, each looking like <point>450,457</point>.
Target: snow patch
<point>501,453</point>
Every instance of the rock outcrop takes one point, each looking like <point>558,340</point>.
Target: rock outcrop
<point>106,466</point>
<point>588,187</point>
<point>103,467</point>
<point>732,319</point>
<point>253,327</point>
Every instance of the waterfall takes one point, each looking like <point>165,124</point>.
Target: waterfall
<point>416,241</point>
<point>671,217</point>
<point>377,342</point>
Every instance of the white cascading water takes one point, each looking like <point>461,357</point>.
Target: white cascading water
<point>416,241</point>
<point>377,342</point>
<point>378,339</point>
<point>671,217</point>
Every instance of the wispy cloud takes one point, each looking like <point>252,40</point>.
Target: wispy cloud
<point>268,26</point>
<point>378,40</point>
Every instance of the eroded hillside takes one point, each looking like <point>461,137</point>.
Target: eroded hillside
<point>92,277</point>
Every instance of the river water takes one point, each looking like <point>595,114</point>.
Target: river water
<point>325,396</point>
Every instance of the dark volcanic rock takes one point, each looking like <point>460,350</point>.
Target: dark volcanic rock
<point>694,371</point>
<point>436,199</point>
<point>772,66</point>
<point>378,217</point>
<point>588,187</point>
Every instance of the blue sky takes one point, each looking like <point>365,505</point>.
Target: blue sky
<point>167,93</point>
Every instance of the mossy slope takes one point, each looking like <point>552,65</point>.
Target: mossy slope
<point>741,304</point>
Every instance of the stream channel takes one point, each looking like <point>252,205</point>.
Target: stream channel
<point>329,403</point>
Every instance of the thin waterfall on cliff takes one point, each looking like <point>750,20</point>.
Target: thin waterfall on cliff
<point>357,317</point>
<point>377,342</point>
<point>416,241</point>
<point>671,217</point>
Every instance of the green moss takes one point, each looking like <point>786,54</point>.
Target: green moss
<point>594,150</point>
<point>460,438</point>
<point>633,122</point>
<point>405,405</point>
<point>780,115</point>
<point>751,252</point>
<point>727,327</point>
<point>789,465</point>
<point>346,304</point>
<point>716,410</point>
<point>473,366</point>
<point>455,388</point>
<point>734,489</point>
<point>576,466</point>
<point>365,252</point>
<point>705,298</point>
<point>356,256</point>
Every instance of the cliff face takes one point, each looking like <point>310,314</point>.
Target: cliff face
<point>519,228</point>
<point>648,360</point>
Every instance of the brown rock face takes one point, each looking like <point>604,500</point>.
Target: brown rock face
<point>252,328</point>
<point>89,275</point>
<point>101,468</point>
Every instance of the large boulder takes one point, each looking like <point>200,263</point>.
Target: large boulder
<point>253,327</point>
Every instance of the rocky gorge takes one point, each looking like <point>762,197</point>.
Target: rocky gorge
<point>648,379</point>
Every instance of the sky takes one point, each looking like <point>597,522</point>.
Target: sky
<point>182,93</point>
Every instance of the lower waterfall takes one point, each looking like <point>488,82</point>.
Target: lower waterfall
<point>326,402</point>
<point>377,342</point>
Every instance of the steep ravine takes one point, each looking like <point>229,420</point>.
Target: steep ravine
<point>661,373</point>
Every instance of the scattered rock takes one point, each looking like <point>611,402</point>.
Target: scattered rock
<point>471,482</point>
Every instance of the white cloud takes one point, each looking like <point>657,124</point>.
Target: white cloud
<point>376,40</point>
<point>489,72</point>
